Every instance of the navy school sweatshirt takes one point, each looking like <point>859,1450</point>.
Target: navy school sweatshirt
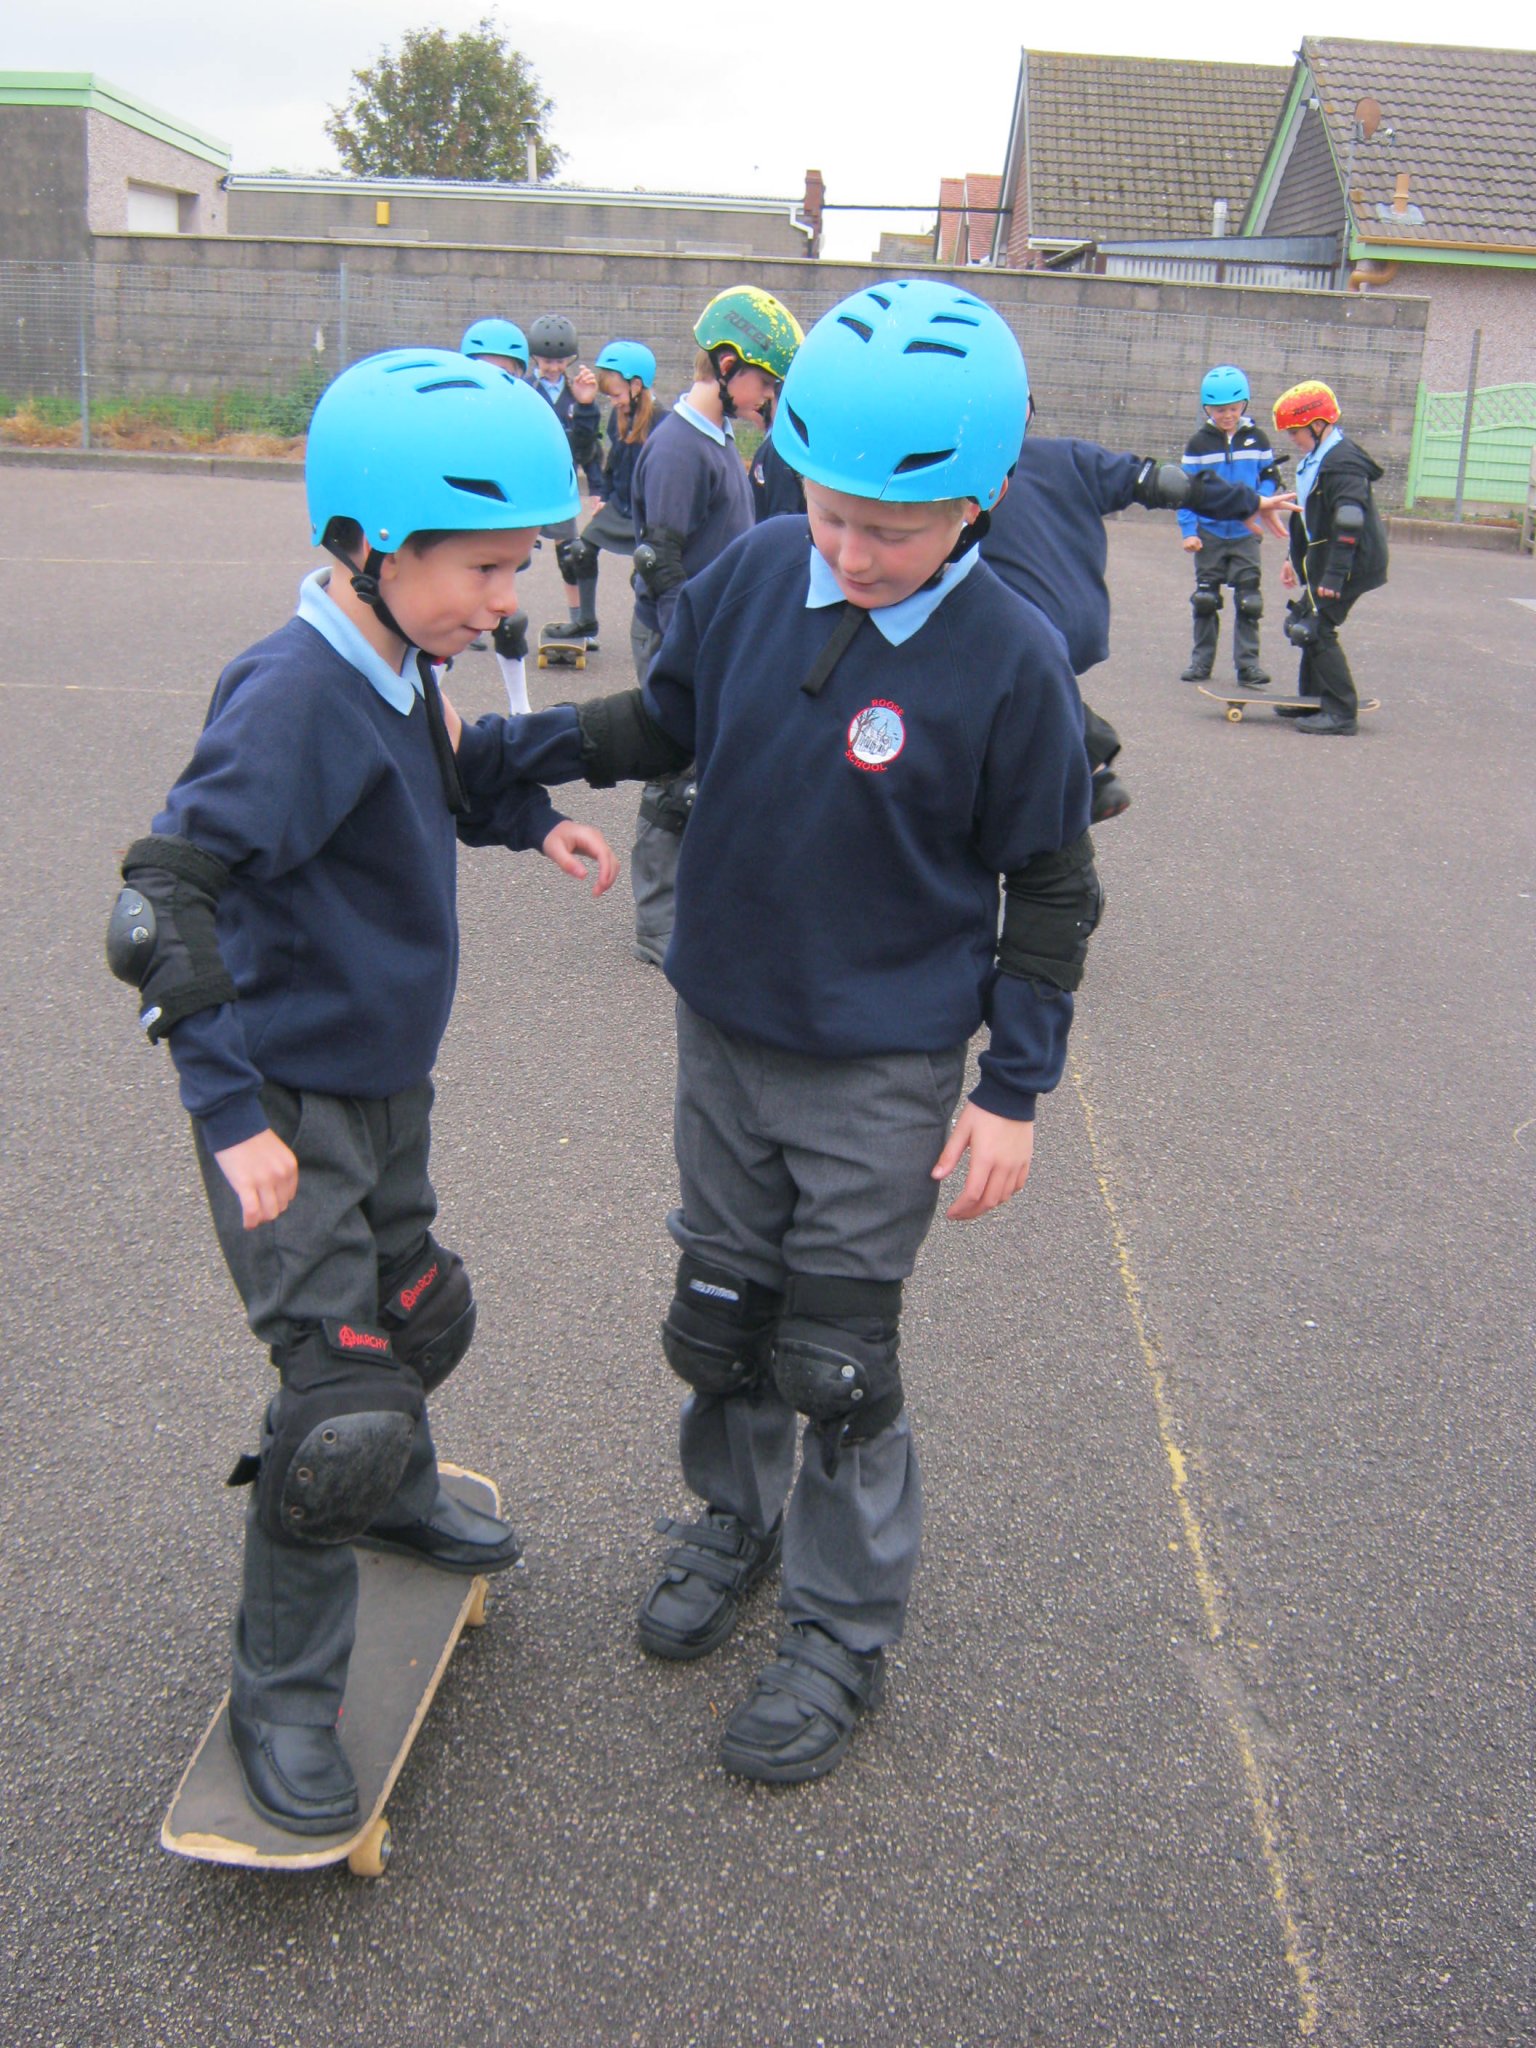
<point>696,484</point>
<point>339,924</point>
<point>837,890</point>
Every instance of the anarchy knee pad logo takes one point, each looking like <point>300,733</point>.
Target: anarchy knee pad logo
<point>876,735</point>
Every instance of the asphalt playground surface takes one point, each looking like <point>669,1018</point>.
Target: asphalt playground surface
<point>1214,1723</point>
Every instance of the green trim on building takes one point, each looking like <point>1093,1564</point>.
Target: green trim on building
<point>1301,85</point>
<point>1361,248</point>
<point>95,95</point>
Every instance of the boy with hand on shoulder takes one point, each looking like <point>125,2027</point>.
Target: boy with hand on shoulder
<point>1230,447</point>
<point>882,730</point>
<point>1338,552</point>
<point>290,924</point>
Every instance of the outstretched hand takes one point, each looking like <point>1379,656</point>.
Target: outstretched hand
<point>570,846</point>
<point>1001,1149</point>
<point>263,1173</point>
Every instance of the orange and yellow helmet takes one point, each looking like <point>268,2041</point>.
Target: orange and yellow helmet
<point>1306,405</point>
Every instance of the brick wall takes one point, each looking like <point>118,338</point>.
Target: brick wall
<point>1112,360</point>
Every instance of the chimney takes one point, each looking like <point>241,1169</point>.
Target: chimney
<point>1400,196</point>
<point>1219,217</point>
<point>811,205</point>
<point>533,163</point>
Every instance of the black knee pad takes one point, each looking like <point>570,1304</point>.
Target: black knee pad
<point>835,1356</point>
<point>718,1332</point>
<point>577,559</point>
<point>1205,602</point>
<point>510,638</point>
<point>428,1308</point>
<point>1250,602</point>
<point>341,1433</point>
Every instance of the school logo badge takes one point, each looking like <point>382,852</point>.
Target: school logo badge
<point>876,736</point>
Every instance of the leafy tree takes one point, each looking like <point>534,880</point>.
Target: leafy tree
<point>465,107</point>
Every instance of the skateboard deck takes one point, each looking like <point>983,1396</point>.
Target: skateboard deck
<point>1238,701</point>
<point>409,1617</point>
<point>562,654</point>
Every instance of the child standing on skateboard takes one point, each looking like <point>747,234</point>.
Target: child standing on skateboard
<point>1338,552</point>
<point>1225,552</point>
<point>290,925</point>
<point>882,730</point>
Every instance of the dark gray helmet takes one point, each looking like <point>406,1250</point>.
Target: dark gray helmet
<point>553,337</point>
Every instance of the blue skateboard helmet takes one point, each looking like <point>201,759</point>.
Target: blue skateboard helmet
<point>911,391</point>
<point>419,440</point>
<point>629,359</point>
<point>495,338</point>
<point>1225,385</point>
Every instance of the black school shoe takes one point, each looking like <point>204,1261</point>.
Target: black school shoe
<point>452,1538</point>
<point>714,1564</point>
<point>800,1716</point>
<point>1253,678</point>
<point>296,1777</point>
<point>1328,723</point>
<point>1195,674</point>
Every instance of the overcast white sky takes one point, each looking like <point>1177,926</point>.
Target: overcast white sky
<point>884,97</point>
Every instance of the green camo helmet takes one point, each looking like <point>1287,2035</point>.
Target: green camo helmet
<point>759,327</point>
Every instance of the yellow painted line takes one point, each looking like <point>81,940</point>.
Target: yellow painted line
<point>1213,1602</point>
<point>109,689</point>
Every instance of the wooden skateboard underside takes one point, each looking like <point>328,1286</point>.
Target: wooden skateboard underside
<point>1239,701</point>
<point>562,653</point>
<point>409,1617</point>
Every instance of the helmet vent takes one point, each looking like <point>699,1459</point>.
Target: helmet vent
<point>480,486</point>
<point>798,424</point>
<point>881,300</point>
<point>861,328</point>
<point>933,348</point>
<point>452,384</point>
<point>954,320</point>
<point>910,462</point>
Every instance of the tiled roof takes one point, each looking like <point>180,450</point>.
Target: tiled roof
<point>1119,147</point>
<point>1464,131</point>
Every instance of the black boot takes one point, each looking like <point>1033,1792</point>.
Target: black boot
<point>297,1777</point>
<point>452,1537</point>
<point>1327,722</point>
<point>716,1562</point>
<point>1195,673</point>
<point>800,1716</point>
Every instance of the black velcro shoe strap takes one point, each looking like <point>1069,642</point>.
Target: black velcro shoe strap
<point>822,1675</point>
<point>725,1558</point>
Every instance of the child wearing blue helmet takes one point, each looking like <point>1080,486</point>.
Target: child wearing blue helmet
<point>290,925</point>
<point>882,730</point>
<point>1229,446</point>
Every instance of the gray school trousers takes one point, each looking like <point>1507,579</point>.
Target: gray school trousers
<point>796,1165</point>
<point>364,1201</point>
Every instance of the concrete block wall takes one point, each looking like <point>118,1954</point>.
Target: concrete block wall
<point>1113,360</point>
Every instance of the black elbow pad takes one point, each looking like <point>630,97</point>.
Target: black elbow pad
<point>1164,486</point>
<point>1349,523</point>
<point>621,742</point>
<point>161,936</point>
<point>1051,909</point>
<point>659,559</point>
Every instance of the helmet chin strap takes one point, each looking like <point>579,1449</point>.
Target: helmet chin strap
<point>365,582</point>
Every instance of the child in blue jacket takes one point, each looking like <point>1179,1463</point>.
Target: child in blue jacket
<point>1231,447</point>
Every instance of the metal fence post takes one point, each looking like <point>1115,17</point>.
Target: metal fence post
<point>341,315</point>
<point>1466,421</point>
<point>85,357</point>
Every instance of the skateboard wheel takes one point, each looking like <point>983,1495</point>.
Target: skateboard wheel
<point>581,661</point>
<point>371,1856</point>
<point>1235,714</point>
<point>474,1614</point>
<point>543,659</point>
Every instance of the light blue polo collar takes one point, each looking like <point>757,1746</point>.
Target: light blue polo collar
<point>1307,468</point>
<point>695,418</point>
<point>898,622</point>
<point>318,609</point>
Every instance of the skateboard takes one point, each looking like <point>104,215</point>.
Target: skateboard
<point>409,1617</point>
<point>560,653</point>
<point>1238,701</point>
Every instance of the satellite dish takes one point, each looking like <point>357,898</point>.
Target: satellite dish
<point>1368,117</point>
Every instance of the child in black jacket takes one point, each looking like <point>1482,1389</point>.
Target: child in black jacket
<point>1338,551</point>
